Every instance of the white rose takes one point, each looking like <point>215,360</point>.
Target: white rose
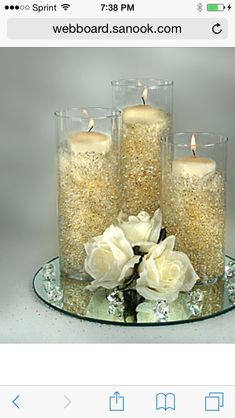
<point>141,227</point>
<point>110,259</point>
<point>164,272</point>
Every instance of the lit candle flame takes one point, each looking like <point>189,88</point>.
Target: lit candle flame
<point>145,95</point>
<point>193,145</point>
<point>91,125</point>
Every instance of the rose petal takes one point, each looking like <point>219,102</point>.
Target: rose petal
<point>158,249</point>
<point>118,243</point>
<point>149,274</point>
<point>143,216</point>
<point>127,270</point>
<point>156,225</point>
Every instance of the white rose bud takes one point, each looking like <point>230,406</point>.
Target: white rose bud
<point>141,228</point>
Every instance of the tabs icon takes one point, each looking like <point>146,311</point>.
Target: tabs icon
<point>214,402</point>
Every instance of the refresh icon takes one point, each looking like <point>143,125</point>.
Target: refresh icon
<point>216,29</point>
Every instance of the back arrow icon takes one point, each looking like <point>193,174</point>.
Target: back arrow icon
<point>14,402</point>
<point>68,401</point>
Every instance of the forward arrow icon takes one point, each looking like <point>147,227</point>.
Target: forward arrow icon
<point>68,401</point>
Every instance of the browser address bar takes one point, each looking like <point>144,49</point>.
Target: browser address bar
<point>72,28</point>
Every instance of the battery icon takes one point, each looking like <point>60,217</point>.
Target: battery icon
<point>215,7</point>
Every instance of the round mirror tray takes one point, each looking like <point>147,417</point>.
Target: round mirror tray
<point>70,297</point>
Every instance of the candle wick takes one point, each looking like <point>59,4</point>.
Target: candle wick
<point>194,153</point>
<point>90,128</point>
<point>143,101</point>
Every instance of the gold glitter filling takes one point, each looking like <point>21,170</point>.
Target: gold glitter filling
<point>194,210</point>
<point>213,297</point>
<point>76,297</point>
<point>140,164</point>
<point>89,202</point>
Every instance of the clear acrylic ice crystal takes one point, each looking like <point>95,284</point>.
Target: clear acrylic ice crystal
<point>49,278</point>
<point>55,295</point>
<point>48,285</point>
<point>194,302</point>
<point>161,310</point>
<point>116,303</point>
<point>210,281</point>
<point>232,298</point>
<point>231,286</point>
<point>230,279</point>
<point>48,272</point>
<point>230,270</point>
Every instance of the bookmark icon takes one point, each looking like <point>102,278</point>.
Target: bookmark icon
<point>165,401</point>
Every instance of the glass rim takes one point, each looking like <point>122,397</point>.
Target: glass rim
<point>141,82</point>
<point>220,139</point>
<point>108,113</point>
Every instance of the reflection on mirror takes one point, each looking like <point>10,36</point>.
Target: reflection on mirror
<point>71,297</point>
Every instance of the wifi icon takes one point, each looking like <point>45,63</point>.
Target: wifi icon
<point>65,6</point>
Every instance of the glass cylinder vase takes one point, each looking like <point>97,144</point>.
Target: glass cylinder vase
<point>193,199</point>
<point>146,106</point>
<point>89,197</point>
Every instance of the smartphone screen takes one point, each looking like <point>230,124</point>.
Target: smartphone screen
<point>117,145</point>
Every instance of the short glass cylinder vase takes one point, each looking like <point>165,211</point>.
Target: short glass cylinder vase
<point>89,196</point>
<point>193,199</point>
<point>146,106</point>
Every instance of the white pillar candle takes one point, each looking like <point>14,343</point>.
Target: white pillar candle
<point>193,166</point>
<point>143,114</point>
<point>89,142</point>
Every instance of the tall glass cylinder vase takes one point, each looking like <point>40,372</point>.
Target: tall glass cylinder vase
<point>88,181</point>
<point>146,107</point>
<point>193,198</point>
